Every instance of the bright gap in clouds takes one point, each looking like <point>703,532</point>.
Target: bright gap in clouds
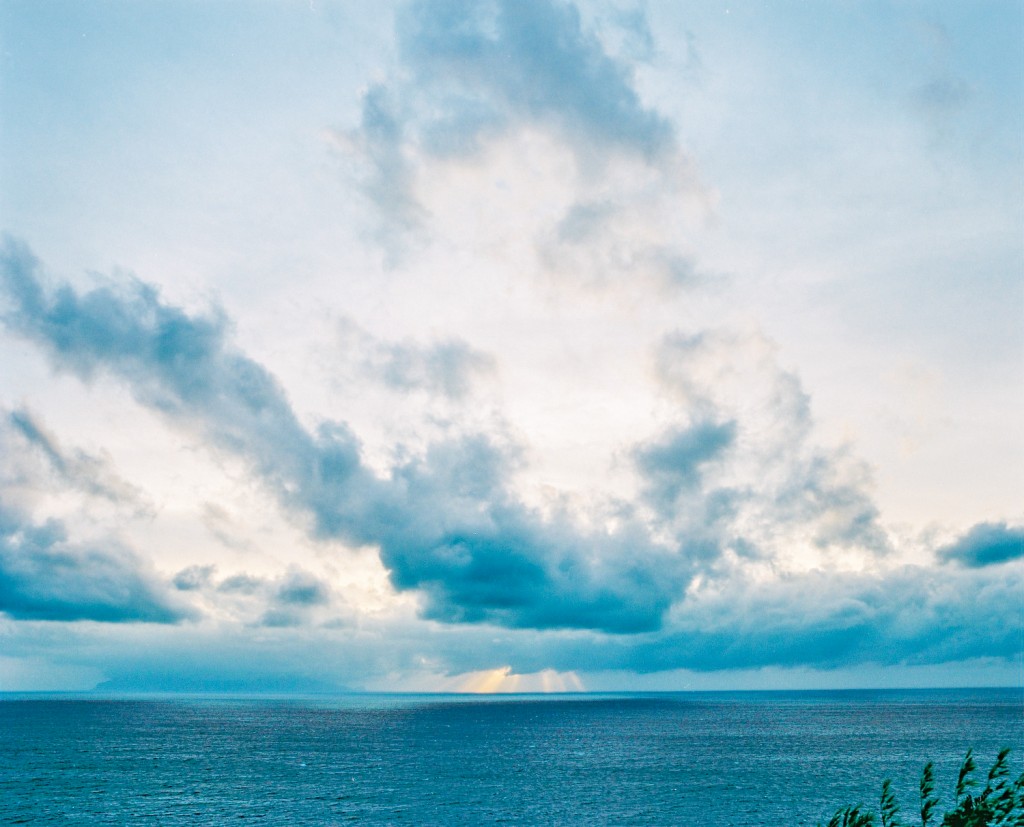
<point>504,680</point>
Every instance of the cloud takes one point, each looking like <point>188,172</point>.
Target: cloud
<point>45,577</point>
<point>292,599</point>
<point>672,464</point>
<point>485,67</point>
<point>825,620</point>
<point>986,544</point>
<point>444,523</point>
<point>245,584</point>
<point>736,478</point>
<point>627,238</point>
<point>181,366</point>
<point>627,33</point>
<point>448,368</point>
<point>474,75</point>
<point>45,574</point>
<point>943,96</point>
<point>193,578</point>
<point>390,186</point>
<point>830,619</point>
<point>774,489</point>
<point>77,469</point>
<point>219,523</point>
<point>300,588</point>
<point>481,556</point>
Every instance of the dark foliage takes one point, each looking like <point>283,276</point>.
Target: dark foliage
<point>999,804</point>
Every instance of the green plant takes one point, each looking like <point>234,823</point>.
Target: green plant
<point>889,806</point>
<point>928,800</point>
<point>852,817</point>
<point>1000,803</point>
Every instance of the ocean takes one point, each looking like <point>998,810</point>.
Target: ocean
<point>702,758</point>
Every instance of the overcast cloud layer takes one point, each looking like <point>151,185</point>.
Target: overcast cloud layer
<point>511,345</point>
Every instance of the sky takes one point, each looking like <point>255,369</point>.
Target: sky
<point>511,345</point>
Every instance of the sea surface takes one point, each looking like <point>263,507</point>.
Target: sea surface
<point>703,758</point>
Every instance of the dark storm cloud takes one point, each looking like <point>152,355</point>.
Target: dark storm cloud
<point>444,523</point>
<point>986,544</point>
<point>44,577</point>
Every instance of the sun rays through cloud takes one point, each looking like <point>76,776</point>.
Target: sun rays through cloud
<point>503,680</point>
